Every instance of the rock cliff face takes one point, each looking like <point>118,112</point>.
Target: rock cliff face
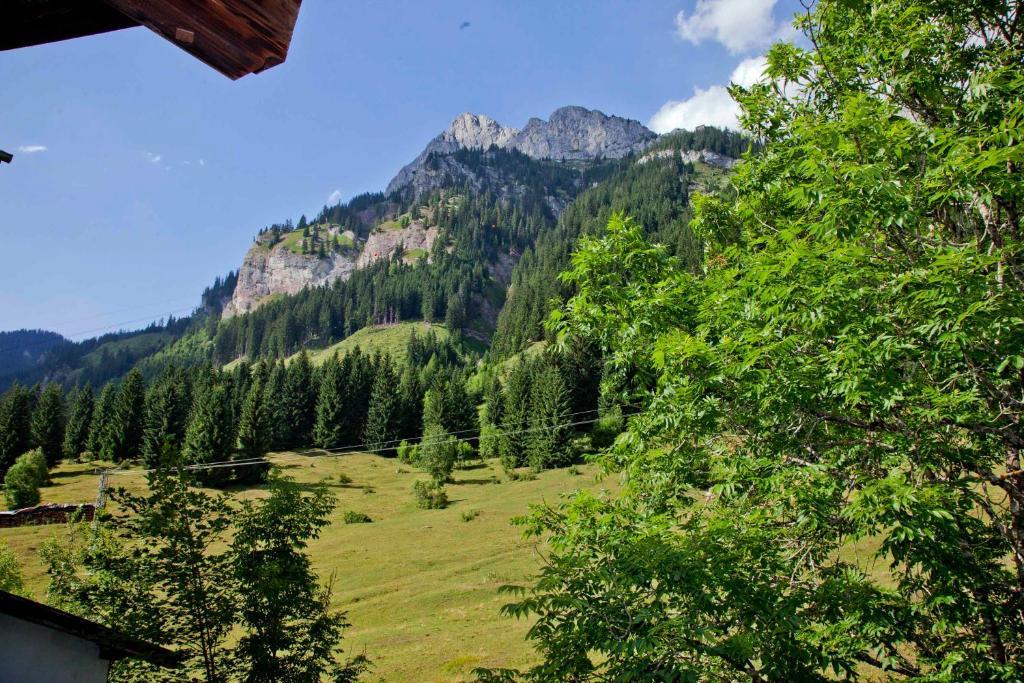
<point>578,133</point>
<point>382,243</point>
<point>570,133</point>
<point>273,270</point>
<point>709,157</point>
<point>278,270</point>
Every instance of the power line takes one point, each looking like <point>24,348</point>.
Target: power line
<point>113,329</point>
<point>365,448</point>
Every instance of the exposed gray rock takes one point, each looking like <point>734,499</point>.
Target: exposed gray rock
<point>278,270</point>
<point>579,133</point>
<point>709,157</point>
<point>571,133</point>
<point>381,244</point>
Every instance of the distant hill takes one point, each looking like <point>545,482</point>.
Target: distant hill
<point>22,350</point>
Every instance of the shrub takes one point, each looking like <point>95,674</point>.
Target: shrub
<point>438,454</point>
<point>408,453</point>
<point>21,485</point>
<point>430,495</point>
<point>469,515</point>
<point>353,517</point>
<point>344,479</point>
<point>10,573</point>
<point>574,471</point>
<point>37,462</point>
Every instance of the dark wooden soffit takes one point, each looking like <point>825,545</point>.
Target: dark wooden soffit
<point>235,37</point>
<point>33,22</point>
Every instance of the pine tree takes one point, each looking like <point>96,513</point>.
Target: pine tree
<point>210,435</point>
<point>515,416</point>
<point>123,437</point>
<point>15,425</point>
<point>167,413</point>
<point>48,423</point>
<point>76,434</point>
<point>384,418</point>
<point>102,413</point>
<point>275,407</point>
<point>300,401</point>
<point>548,439</point>
<point>329,429</point>
<point>253,425</point>
<point>491,422</point>
<point>410,392</point>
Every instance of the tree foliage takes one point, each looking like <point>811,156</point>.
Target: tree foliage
<point>826,478</point>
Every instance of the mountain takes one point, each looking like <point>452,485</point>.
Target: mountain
<point>472,235</point>
<point>570,134</point>
<point>21,350</point>
<point>284,261</point>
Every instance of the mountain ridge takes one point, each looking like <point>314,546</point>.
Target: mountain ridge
<point>571,133</point>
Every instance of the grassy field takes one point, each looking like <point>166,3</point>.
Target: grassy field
<point>420,586</point>
<point>389,339</point>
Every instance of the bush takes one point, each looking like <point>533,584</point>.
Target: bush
<point>344,479</point>
<point>21,485</point>
<point>10,573</point>
<point>430,495</point>
<point>353,517</point>
<point>438,454</point>
<point>605,430</point>
<point>408,453</point>
<point>469,515</point>
<point>37,462</point>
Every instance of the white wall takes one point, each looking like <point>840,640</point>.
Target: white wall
<point>30,653</point>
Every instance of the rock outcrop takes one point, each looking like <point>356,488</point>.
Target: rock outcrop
<point>381,244</point>
<point>278,270</point>
<point>707,156</point>
<point>570,133</point>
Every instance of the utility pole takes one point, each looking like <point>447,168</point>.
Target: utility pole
<point>101,497</point>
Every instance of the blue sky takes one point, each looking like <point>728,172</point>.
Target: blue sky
<point>140,174</point>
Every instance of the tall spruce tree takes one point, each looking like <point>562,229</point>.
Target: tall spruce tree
<point>210,436</point>
<point>275,407</point>
<point>15,424</point>
<point>76,433</point>
<point>548,439</point>
<point>102,414</point>
<point>331,414</point>
<point>123,436</point>
<point>167,414</point>
<point>513,440</point>
<point>48,423</point>
<point>410,391</point>
<point>384,419</point>
<point>254,430</point>
<point>300,401</point>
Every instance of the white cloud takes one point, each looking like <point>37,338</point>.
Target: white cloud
<point>153,158</point>
<point>32,149</point>
<point>334,197</point>
<point>749,71</point>
<point>202,163</point>
<point>709,106</point>
<point>739,25</point>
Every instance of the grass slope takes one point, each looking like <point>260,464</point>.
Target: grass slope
<point>389,339</point>
<point>420,586</point>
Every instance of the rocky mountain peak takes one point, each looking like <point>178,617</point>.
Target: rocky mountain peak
<point>571,132</point>
<point>578,133</point>
<point>477,130</point>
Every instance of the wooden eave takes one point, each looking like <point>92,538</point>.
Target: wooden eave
<point>235,37</point>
